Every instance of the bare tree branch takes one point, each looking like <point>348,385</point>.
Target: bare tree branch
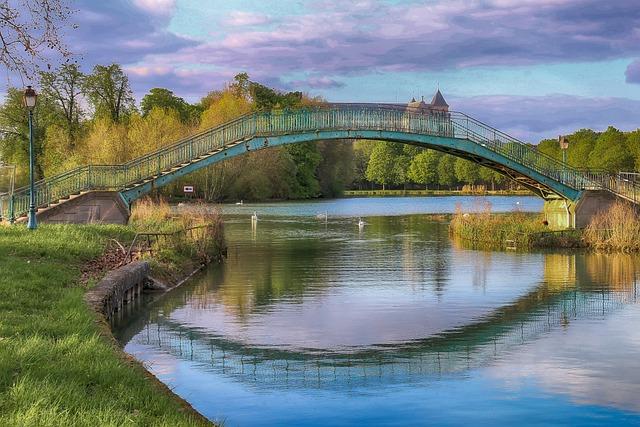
<point>31,35</point>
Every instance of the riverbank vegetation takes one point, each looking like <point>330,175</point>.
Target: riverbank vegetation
<point>81,120</point>
<point>512,230</point>
<point>616,229</point>
<point>56,367</point>
<point>186,240</point>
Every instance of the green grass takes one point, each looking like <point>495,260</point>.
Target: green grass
<point>56,366</point>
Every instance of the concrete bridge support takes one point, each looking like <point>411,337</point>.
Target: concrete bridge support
<point>562,213</point>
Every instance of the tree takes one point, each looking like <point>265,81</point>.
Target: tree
<point>14,132</point>
<point>423,168</point>
<point>610,152</point>
<point>633,145</point>
<point>107,88</point>
<point>64,87</point>
<point>446,173</point>
<point>165,99</point>
<point>385,165</point>
<point>227,107</point>
<point>551,148</point>
<point>336,169</point>
<point>581,145</point>
<point>489,175</point>
<point>107,142</point>
<point>306,158</point>
<point>157,129</point>
<point>30,31</point>
<point>466,171</point>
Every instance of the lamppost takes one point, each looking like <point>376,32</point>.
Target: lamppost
<point>564,144</point>
<point>29,100</point>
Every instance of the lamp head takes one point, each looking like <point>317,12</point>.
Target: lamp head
<point>29,98</point>
<point>564,142</point>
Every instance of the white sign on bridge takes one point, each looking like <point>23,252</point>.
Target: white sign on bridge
<point>188,189</point>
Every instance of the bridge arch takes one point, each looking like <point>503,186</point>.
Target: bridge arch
<point>452,133</point>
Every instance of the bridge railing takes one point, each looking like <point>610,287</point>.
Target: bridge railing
<point>383,117</point>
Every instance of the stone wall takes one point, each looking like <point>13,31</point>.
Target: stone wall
<point>117,288</point>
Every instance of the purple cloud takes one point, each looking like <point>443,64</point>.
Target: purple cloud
<point>532,118</point>
<point>632,73</point>
<point>316,83</point>
<point>123,32</point>
<point>352,38</point>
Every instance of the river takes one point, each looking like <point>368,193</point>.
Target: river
<point>321,322</point>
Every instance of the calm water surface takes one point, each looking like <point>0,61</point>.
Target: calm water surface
<point>320,323</point>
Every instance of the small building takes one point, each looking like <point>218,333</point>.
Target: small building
<point>437,106</point>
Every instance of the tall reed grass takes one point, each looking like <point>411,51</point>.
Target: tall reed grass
<point>196,234</point>
<point>615,229</point>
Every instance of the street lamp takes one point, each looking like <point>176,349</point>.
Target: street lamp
<point>29,100</point>
<point>564,144</point>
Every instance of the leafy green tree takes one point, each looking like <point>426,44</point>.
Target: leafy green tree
<point>108,90</point>
<point>633,145</point>
<point>610,152</point>
<point>551,148</point>
<point>336,169</point>
<point>306,158</point>
<point>488,175</point>
<point>386,166</point>
<point>14,132</point>
<point>424,168</point>
<point>446,172</point>
<point>581,144</point>
<point>64,88</point>
<point>466,171</point>
<point>165,99</point>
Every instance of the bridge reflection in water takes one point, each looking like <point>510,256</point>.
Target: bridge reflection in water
<point>573,288</point>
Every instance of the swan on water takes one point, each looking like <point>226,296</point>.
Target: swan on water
<point>324,216</point>
<point>360,223</point>
<point>254,217</point>
<point>239,203</point>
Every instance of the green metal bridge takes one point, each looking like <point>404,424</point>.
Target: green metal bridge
<point>450,132</point>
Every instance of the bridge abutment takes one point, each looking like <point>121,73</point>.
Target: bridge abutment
<point>562,213</point>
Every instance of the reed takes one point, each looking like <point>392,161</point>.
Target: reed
<point>615,229</point>
<point>482,227</point>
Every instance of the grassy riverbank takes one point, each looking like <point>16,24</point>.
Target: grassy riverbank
<point>56,365</point>
<point>399,193</point>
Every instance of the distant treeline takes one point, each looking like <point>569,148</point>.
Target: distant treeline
<point>93,119</point>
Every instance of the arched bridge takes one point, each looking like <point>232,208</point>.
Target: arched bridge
<point>94,192</point>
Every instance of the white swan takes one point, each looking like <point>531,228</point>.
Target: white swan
<point>323,216</point>
<point>360,223</point>
<point>254,217</point>
<point>239,203</point>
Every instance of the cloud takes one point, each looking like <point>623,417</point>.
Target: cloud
<point>532,118</point>
<point>157,7</point>
<point>317,83</point>
<point>240,18</point>
<point>339,38</point>
<point>119,31</point>
<point>632,73</point>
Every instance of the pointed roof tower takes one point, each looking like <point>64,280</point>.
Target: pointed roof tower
<point>438,100</point>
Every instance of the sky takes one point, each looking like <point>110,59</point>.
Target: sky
<point>532,68</point>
